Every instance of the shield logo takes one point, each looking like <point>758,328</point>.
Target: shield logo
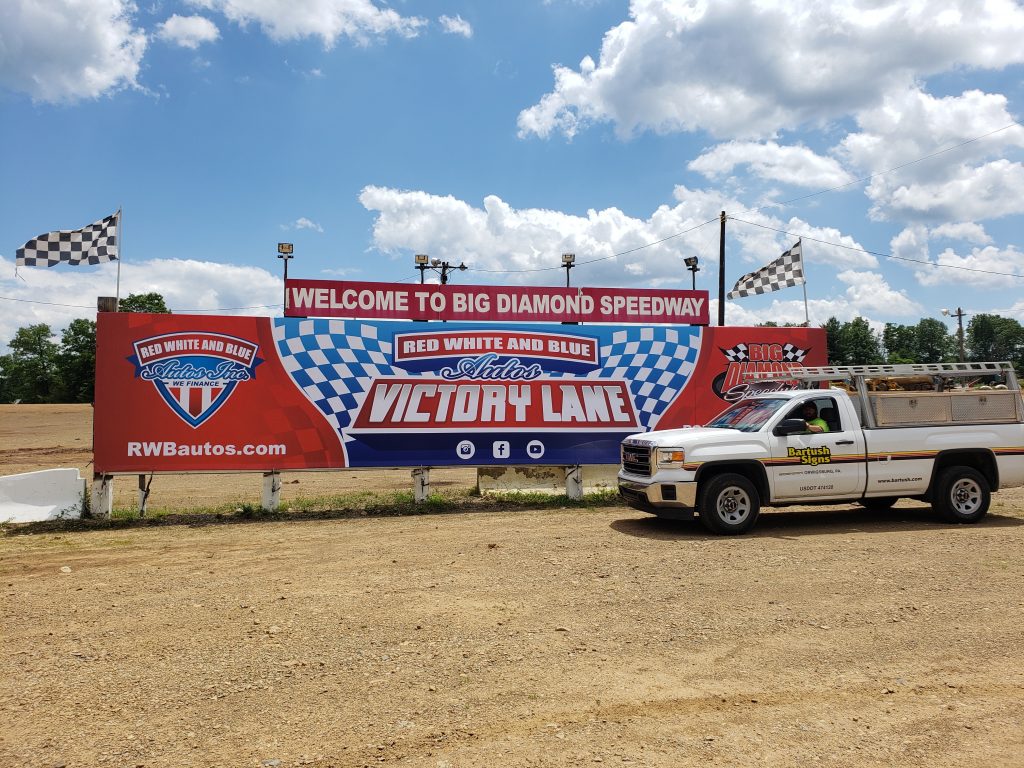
<point>195,372</point>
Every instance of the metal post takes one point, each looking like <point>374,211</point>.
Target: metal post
<point>421,484</point>
<point>721,272</point>
<point>102,501</point>
<point>271,491</point>
<point>574,482</point>
<point>960,332</point>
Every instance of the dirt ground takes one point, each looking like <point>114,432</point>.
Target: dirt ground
<point>558,638</point>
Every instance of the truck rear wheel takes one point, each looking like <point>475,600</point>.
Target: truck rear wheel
<point>728,504</point>
<point>961,495</point>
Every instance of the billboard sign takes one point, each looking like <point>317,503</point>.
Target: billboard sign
<point>178,393</point>
<point>491,303</point>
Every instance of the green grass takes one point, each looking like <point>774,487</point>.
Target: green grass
<point>353,504</point>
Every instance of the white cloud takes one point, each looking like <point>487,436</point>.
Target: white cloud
<point>984,267</point>
<point>64,51</point>
<point>751,68</point>
<point>787,164</point>
<point>303,223</point>
<point>973,181</point>
<point>58,295</point>
<point>456,25</point>
<point>359,20</point>
<point>966,230</point>
<point>188,31</point>
<point>528,242</point>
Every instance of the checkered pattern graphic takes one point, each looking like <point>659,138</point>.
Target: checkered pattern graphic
<point>793,354</point>
<point>785,271</point>
<point>90,245</point>
<point>741,353</point>
<point>738,354</point>
<point>657,362</point>
<point>335,361</point>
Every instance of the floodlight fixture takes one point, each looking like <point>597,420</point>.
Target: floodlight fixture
<point>691,264</point>
<point>422,258</point>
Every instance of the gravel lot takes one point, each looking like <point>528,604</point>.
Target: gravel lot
<point>563,637</point>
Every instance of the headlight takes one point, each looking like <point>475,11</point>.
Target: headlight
<point>671,457</point>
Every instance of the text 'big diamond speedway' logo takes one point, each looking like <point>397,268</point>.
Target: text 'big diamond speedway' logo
<point>195,372</point>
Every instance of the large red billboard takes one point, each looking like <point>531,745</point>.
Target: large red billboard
<point>178,393</point>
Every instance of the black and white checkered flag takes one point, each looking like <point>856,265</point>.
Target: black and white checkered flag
<point>793,354</point>
<point>785,271</point>
<point>738,354</point>
<point>90,245</point>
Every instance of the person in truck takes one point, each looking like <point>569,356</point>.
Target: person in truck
<point>811,418</point>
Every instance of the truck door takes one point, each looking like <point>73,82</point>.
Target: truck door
<point>820,465</point>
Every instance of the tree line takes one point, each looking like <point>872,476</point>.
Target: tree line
<point>39,369</point>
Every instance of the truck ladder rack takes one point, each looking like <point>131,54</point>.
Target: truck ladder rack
<point>853,372</point>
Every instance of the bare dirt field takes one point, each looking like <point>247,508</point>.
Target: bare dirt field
<point>559,637</point>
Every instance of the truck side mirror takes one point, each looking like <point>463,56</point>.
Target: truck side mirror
<point>790,427</point>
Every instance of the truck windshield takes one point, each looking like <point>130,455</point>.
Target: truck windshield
<point>748,415</point>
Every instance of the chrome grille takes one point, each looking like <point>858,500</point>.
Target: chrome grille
<point>636,459</point>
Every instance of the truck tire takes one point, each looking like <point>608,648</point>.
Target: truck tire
<point>961,495</point>
<point>728,504</point>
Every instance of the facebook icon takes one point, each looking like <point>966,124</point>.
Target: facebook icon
<point>501,449</point>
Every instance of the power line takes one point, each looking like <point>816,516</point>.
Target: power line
<point>890,170</point>
<point>876,253</point>
<point>601,258</point>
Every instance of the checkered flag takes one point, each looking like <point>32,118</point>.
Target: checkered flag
<point>90,245</point>
<point>793,354</point>
<point>738,354</point>
<point>785,271</point>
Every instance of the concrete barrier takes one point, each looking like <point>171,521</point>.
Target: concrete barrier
<point>594,477</point>
<point>51,494</point>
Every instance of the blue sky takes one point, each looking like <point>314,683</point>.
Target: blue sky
<point>504,134</point>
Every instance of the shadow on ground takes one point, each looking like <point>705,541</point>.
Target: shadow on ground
<point>810,522</point>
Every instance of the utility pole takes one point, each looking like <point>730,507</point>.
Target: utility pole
<point>959,315</point>
<point>721,273</point>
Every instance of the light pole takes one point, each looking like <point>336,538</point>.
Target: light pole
<point>959,315</point>
<point>568,261</point>
<point>443,268</point>
<point>691,264</point>
<point>285,251</point>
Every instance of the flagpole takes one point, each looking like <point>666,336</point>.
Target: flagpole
<point>120,250</point>
<point>807,317</point>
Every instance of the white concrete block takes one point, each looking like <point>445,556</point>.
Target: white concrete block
<point>50,494</point>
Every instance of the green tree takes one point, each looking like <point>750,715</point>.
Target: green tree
<point>76,362</point>
<point>144,302</point>
<point>858,344</point>
<point>991,338</point>
<point>934,343</point>
<point>900,342</point>
<point>30,370</point>
<point>833,330</point>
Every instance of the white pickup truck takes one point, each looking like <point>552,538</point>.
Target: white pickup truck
<point>951,446</point>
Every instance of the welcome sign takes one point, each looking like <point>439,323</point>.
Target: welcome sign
<point>195,393</point>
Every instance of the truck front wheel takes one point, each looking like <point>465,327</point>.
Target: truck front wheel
<point>961,495</point>
<point>728,504</point>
